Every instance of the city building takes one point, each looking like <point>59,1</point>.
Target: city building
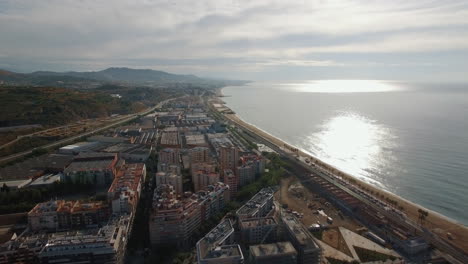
<point>164,167</point>
<point>170,139</point>
<point>170,156</point>
<point>64,215</point>
<point>255,161</point>
<point>22,249</point>
<point>308,251</point>
<point>103,245</point>
<point>91,167</point>
<point>231,179</point>
<point>170,178</point>
<point>199,155</point>
<point>260,205</point>
<point>124,193</point>
<point>78,147</point>
<point>172,220</point>
<point>258,230</point>
<point>228,157</point>
<point>130,152</point>
<point>218,246</point>
<point>45,180</point>
<point>201,179</point>
<point>276,253</point>
<point>213,199</point>
<point>193,140</point>
<point>207,167</point>
<point>246,174</point>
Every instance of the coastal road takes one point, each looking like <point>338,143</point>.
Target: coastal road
<point>407,223</point>
<point>86,134</point>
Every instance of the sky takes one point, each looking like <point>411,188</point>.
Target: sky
<point>253,40</point>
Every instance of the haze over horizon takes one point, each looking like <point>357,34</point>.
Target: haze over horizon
<point>257,40</point>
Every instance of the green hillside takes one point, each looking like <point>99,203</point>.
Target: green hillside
<point>55,106</point>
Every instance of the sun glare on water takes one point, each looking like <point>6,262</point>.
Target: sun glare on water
<point>344,86</point>
<point>353,143</point>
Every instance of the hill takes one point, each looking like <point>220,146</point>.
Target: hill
<point>93,79</point>
<point>51,106</point>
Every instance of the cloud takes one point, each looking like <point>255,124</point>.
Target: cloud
<point>251,35</point>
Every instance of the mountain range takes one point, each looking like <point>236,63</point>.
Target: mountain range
<point>110,75</point>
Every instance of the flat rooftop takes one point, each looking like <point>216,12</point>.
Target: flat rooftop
<point>195,140</point>
<point>253,222</point>
<point>218,234</point>
<point>300,232</point>
<point>89,165</point>
<point>223,252</point>
<point>280,248</point>
<point>170,138</point>
<point>250,207</point>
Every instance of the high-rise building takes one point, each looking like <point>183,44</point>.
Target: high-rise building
<point>246,174</point>
<point>124,193</point>
<point>228,157</point>
<point>169,156</point>
<point>213,199</point>
<point>199,155</point>
<point>232,180</point>
<point>172,220</point>
<point>201,179</point>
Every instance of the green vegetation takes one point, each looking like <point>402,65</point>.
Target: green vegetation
<point>52,106</point>
<point>243,138</point>
<point>276,169</point>
<point>55,106</point>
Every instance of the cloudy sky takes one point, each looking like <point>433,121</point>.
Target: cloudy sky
<point>252,39</point>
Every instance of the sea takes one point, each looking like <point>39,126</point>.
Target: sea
<point>408,138</point>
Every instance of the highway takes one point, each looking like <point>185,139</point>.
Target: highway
<point>432,238</point>
<point>86,134</point>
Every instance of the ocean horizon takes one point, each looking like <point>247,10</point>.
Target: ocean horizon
<point>406,138</point>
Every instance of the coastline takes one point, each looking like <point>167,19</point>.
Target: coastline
<point>436,222</point>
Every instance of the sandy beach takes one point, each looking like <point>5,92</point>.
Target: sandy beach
<point>435,222</point>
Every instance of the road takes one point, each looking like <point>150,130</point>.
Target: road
<point>358,194</point>
<point>86,134</point>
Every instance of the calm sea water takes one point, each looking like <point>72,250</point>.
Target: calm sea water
<point>409,139</point>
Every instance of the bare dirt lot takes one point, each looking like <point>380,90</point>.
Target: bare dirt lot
<point>304,202</point>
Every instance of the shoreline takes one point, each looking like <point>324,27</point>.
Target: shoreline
<point>436,222</point>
